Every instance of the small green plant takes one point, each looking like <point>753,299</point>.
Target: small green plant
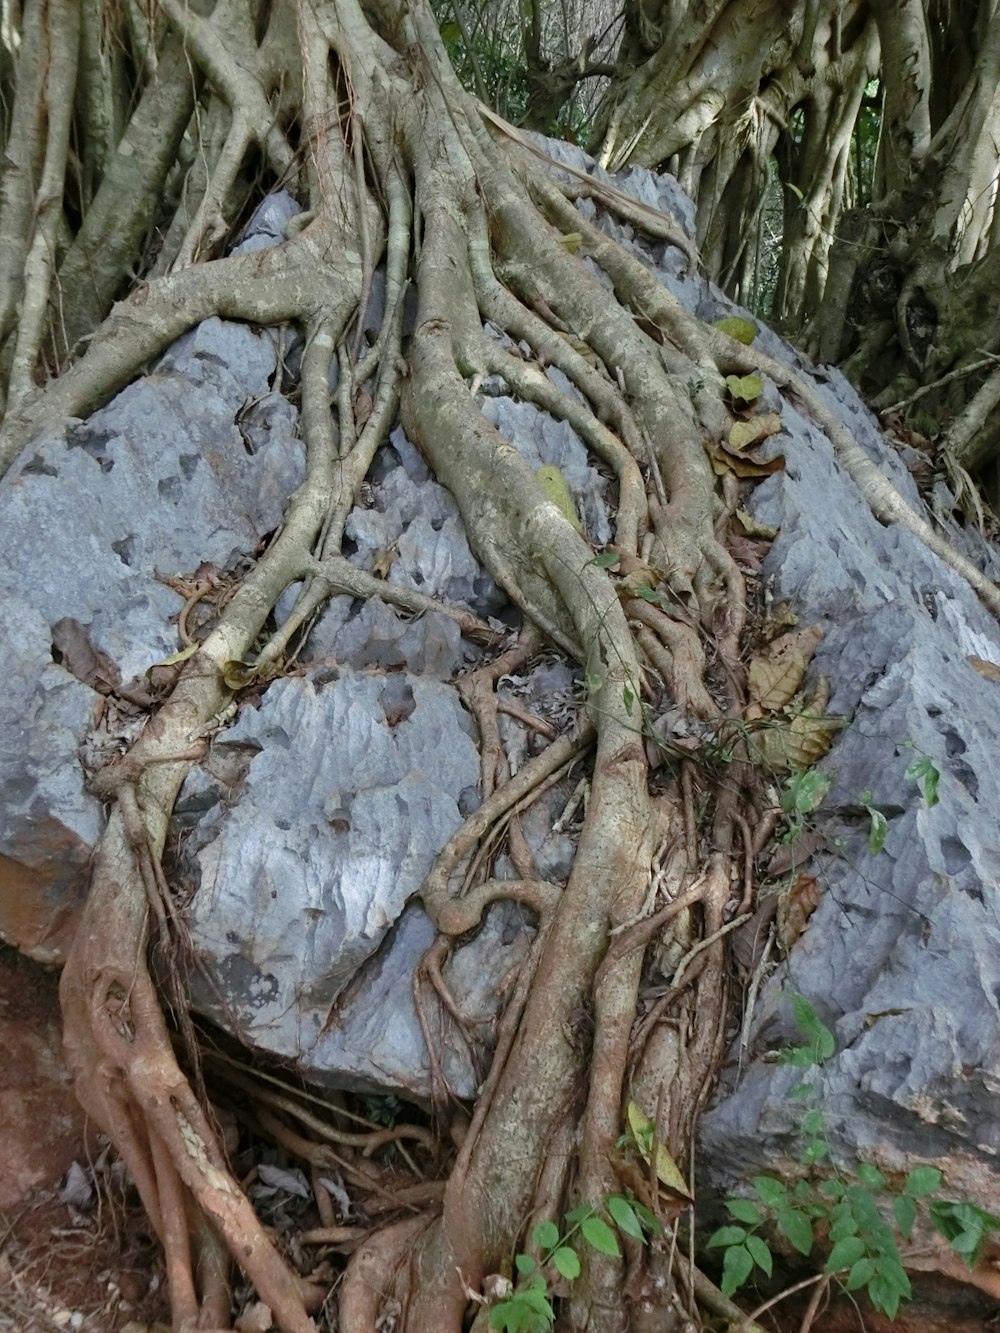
<point>528,1308</point>
<point>852,1211</point>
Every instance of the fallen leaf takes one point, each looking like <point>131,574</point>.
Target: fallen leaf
<point>986,668</point>
<point>753,526</point>
<point>752,431</point>
<point>745,465</point>
<point>571,241</point>
<point>72,650</point>
<point>795,907</point>
<point>777,672</point>
<point>643,1132</point>
<point>799,743</point>
<point>384,559</point>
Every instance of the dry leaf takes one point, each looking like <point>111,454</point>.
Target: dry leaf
<point>72,650</point>
<point>256,1318</point>
<point>777,672</point>
<point>795,908</point>
<point>985,667</point>
<point>775,682</point>
<point>644,1132</point>
<point>753,527</point>
<point>571,241</point>
<point>798,744</point>
<point>752,431</point>
<point>745,465</point>
<point>384,559</point>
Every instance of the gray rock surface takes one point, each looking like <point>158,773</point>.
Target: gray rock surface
<point>318,813</point>
<point>158,481</point>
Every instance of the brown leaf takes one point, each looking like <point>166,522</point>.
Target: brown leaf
<point>777,672</point>
<point>363,405</point>
<point>792,855</point>
<point>753,527</point>
<point>795,908</point>
<point>385,558</point>
<point>985,668</point>
<point>71,641</point>
<point>762,427</point>
<point>744,465</point>
<point>799,744</point>
<point>774,682</point>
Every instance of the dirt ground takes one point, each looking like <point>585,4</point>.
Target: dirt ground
<point>75,1249</point>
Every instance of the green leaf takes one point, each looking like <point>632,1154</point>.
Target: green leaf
<point>845,1254</point>
<point>743,330</point>
<point>804,792</point>
<point>860,1275</point>
<point>727,1236</point>
<point>771,1192</point>
<point>884,1296</point>
<point>450,33</point>
<point>597,1233</point>
<point>815,1150</point>
<point>594,682</point>
<point>650,1221</point>
<point>796,191</point>
<point>737,1265</point>
<point>870,1175</point>
<point>628,699</point>
<point>624,1216</point>
<point>831,1189</point>
<point>576,1215</point>
<point>745,1211</point>
<point>967,1241</point>
<point>844,1224</point>
<point>546,1235</point>
<point>924,1180</point>
<point>877,827</point>
<point>809,1024</point>
<point>606,559</point>
<point>524,1264</point>
<point>904,1210</point>
<point>926,776</point>
<point>567,1262</point>
<point>812,1122</point>
<point>892,1271</point>
<point>797,1227</point>
<point>745,388</point>
<point>760,1253</point>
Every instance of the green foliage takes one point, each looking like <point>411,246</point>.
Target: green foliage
<point>922,771</point>
<point>528,1309</point>
<point>852,1211</point>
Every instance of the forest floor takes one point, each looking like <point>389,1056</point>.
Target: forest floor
<point>76,1250</point>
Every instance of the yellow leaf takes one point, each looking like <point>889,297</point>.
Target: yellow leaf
<point>743,330</point>
<point>238,675</point>
<point>385,558</point>
<point>753,526</point>
<point>571,241</point>
<point>799,744</point>
<point>553,483</point>
<point>175,658</point>
<point>777,672</point>
<point>753,431</point>
<point>774,683</point>
<point>644,1132</point>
